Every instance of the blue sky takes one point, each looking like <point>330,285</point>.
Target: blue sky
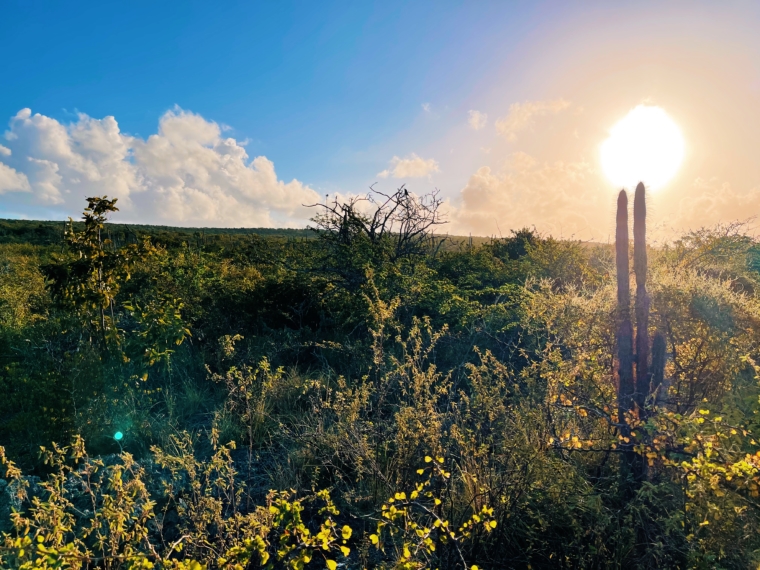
<point>331,92</point>
<point>307,82</point>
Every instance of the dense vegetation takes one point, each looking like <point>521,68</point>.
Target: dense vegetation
<point>370,394</point>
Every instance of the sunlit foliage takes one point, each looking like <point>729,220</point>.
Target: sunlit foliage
<point>324,402</point>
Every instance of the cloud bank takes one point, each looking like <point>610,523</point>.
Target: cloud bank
<point>568,199</point>
<point>187,173</point>
<point>707,202</point>
<point>190,173</point>
<point>560,198</point>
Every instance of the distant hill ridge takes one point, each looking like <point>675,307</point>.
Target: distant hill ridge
<point>47,232</point>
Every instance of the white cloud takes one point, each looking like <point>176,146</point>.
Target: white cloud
<point>477,120</point>
<point>12,181</point>
<point>522,115</point>
<point>186,173</point>
<point>412,166</point>
<point>426,107</point>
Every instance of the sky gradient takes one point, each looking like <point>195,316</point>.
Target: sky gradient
<point>238,114</point>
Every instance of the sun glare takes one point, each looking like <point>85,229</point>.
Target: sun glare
<point>644,146</point>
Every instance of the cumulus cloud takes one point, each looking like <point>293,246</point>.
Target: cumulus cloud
<point>522,115</point>
<point>476,119</point>
<point>187,173</point>
<point>412,166</point>
<point>560,198</point>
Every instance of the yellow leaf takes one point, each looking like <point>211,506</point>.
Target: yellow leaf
<point>345,550</point>
<point>374,539</point>
<point>428,459</point>
<point>346,532</point>
<point>332,565</point>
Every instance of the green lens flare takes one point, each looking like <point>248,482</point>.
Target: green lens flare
<point>118,436</point>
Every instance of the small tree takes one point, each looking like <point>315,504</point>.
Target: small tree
<point>375,229</point>
<point>90,275</point>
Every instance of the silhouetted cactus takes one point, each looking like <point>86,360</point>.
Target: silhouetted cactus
<point>625,329</point>
<point>642,299</point>
<point>635,392</point>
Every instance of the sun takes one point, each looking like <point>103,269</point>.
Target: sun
<point>644,146</point>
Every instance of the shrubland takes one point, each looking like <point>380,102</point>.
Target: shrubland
<point>374,395</point>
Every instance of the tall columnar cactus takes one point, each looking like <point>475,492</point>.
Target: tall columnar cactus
<point>625,329</point>
<point>642,299</point>
<point>633,394</point>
